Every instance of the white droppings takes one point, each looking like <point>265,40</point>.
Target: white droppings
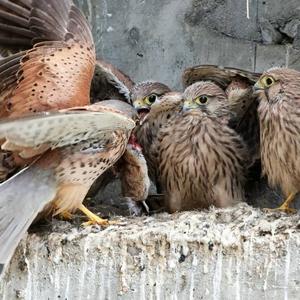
<point>287,272</point>
<point>218,276</point>
<point>248,9</point>
<point>110,29</point>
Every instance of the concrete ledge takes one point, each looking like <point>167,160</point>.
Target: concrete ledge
<point>237,253</point>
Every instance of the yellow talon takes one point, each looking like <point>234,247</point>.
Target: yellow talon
<point>285,206</point>
<point>93,219</point>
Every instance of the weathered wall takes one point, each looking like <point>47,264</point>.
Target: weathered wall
<point>228,254</point>
<point>157,39</point>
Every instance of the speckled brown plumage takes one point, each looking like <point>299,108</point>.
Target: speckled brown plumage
<point>154,115</point>
<point>202,160</point>
<point>279,115</point>
<point>78,145</point>
<point>238,86</point>
<point>74,142</point>
<point>58,71</point>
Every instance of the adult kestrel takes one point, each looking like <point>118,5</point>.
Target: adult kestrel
<point>54,75</point>
<point>60,71</point>
<point>202,160</point>
<point>279,117</point>
<point>77,145</point>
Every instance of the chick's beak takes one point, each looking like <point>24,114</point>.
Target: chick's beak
<point>139,104</point>
<point>189,104</point>
<point>142,109</point>
<point>257,87</point>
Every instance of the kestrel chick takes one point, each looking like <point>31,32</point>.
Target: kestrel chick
<point>201,159</point>
<point>279,116</point>
<point>143,96</point>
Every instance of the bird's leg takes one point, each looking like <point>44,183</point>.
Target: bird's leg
<point>65,215</point>
<point>93,219</point>
<point>285,206</point>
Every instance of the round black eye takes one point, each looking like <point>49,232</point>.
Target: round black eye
<point>152,98</point>
<point>203,99</point>
<point>269,81</point>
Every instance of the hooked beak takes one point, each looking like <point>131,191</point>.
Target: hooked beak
<point>257,87</point>
<point>142,110</point>
<point>189,104</point>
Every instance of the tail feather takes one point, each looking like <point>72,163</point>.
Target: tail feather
<point>22,197</point>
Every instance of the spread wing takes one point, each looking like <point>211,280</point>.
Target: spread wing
<point>220,75</point>
<point>55,73</point>
<point>65,127</point>
<point>26,22</point>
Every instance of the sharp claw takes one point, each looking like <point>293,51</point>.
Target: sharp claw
<point>284,209</point>
<point>285,206</point>
<point>102,222</point>
<point>94,219</point>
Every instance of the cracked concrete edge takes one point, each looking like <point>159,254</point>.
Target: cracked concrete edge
<point>234,253</point>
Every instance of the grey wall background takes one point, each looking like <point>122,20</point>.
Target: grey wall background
<point>157,39</point>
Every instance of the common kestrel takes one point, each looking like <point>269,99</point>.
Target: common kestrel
<point>60,71</point>
<point>279,116</point>
<point>238,86</point>
<point>66,150</point>
<point>202,160</point>
<point>77,146</point>
<point>143,96</point>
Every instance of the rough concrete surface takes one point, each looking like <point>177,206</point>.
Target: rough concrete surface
<point>236,253</point>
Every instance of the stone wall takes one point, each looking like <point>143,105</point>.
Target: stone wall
<point>157,39</point>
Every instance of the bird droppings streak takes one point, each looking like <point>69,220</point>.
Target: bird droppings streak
<point>220,254</point>
<point>287,271</point>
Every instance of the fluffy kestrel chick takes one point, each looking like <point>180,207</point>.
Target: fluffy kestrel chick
<point>279,116</point>
<point>201,159</point>
<point>143,96</point>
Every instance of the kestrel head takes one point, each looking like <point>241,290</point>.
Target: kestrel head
<point>206,97</point>
<point>278,85</point>
<point>144,94</point>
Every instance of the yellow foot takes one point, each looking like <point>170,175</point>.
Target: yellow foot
<point>285,206</point>
<point>66,216</point>
<point>93,219</point>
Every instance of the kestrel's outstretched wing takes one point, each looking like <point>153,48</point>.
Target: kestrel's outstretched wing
<point>18,24</point>
<point>223,76</point>
<point>54,74</point>
<point>238,85</point>
<point>62,128</point>
<point>57,73</point>
<point>59,179</point>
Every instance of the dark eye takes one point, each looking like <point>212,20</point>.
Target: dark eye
<point>152,98</point>
<point>268,81</point>
<point>203,99</point>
